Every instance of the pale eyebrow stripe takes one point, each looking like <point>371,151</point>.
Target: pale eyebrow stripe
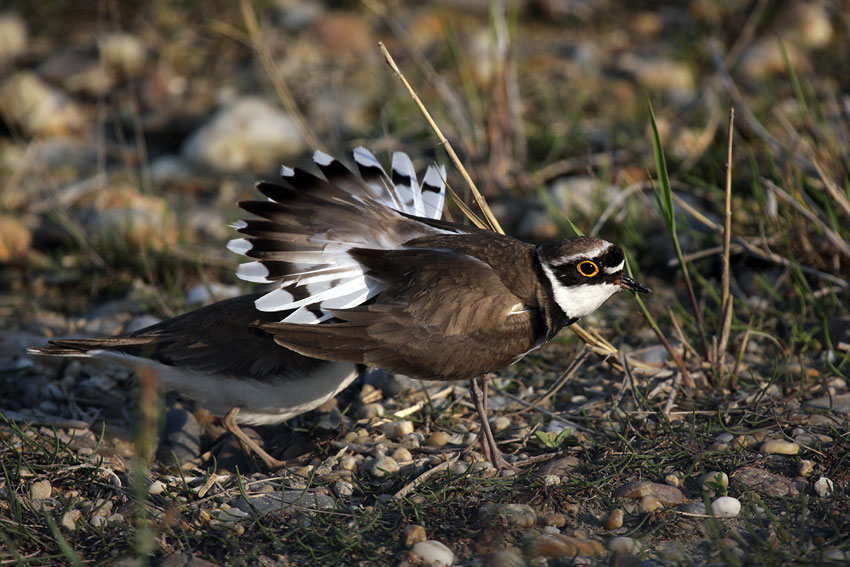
<point>615,269</point>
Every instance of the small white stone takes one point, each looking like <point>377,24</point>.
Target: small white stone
<point>398,429</point>
<point>343,488</point>
<point>433,552</point>
<point>40,489</point>
<point>69,519</point>
<point>500,423</point>
<point>402,455</point>
<point>551,480</point>
<point>726,507</point>
<point>156,487</point>
<point>383,466</point>
<point>622,545</point>
<point>98,521</point>
<point>824,487</point>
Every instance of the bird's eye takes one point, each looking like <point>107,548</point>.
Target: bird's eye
<point>587,268</point>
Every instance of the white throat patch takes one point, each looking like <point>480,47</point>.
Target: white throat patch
<point>578,300</point>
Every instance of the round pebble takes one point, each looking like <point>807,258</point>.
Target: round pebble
<point>500,423</point>
<point>725,438</point>
<point>402,455</point>
<point>398,429</point>
<point>413,534</point>
<point>434,552</point>
<point>650,503</point>
<point>438,439</point>
<point>343,488</point>
<point>348,463</point>
<point>726,507</point>
<point>673,479</point>
<point>369,411</point>
<point>383,466</point>
<point>622,546</point>
<point>779,447</point>
<point>614,520</point>
<point>517,515</point>
<point>806,468</point>
<point>824,487</point>
<point>69,519</point>
<point>40,489</point>
<point>507,558</point>
<point>156,487</point>
<point>555,519</point>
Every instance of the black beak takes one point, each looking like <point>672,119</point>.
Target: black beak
<point>626,282</point>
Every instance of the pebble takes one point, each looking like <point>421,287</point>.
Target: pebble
<point>370,411</point>
<point>806,468</point>
<point>40,489</point>
<point>650,503</point>
<point>438,439</point>
<point>623,546</point>
<point>14,37</point>
<point>348,463</point>
<point>156,487</point>
<point>614,520</point>
<point>559,467</point>
<point>709,479</point>
<point>764,482</point>
<point>511,515</point>
<point>433,552</point>
<point>726,507</point>
<point>459,467</point>
<point>248,133</point>
<point>555,519</point>
<point>413,534</point>
<point>779,447</point>
<point>383,466</point>
<point>506,558</point>
<point>556,546</point>
<point>667,495</point>
<point>402,455</point>
<point>181,442</point>
<point>69,519</point>
<point>725,438</point>
<point>397,429</point>
<point>693,508</point>
<point>824,487</point>
<point>551,480</point>
<point>122,51</point>
<point>16,238</point>
<point>36,108</point>
<point>500,423</point>
<point>343,488</point>
<point>673,479</point>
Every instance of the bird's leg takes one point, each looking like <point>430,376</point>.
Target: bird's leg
<point>478,390</point>
<point>249,444</point>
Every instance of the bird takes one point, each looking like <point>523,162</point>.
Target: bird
<point>366,272</point>
<point>220,356</point>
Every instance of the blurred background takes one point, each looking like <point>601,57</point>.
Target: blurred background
<point>129,129</point>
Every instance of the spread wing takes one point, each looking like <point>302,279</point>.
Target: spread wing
<point>440,311</point>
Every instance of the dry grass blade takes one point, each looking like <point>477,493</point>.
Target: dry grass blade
<point>726,298</point>
<point>280,86</point>
<point>830,234</point>
<point>479,199</point>
<point>834,192</point>
<point>758,252</point>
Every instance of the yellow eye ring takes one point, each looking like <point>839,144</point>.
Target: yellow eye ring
<point>587,268</point>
